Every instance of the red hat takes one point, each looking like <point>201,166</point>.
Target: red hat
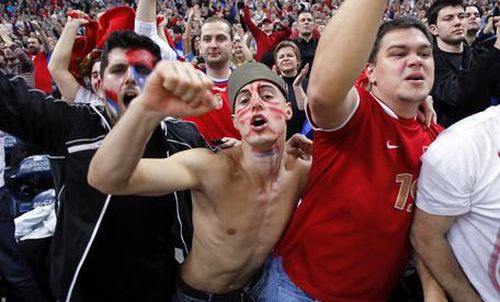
<point>118,18</point>
<point>96,34</point>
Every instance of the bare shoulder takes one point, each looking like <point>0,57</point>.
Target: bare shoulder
<point>203,159</point>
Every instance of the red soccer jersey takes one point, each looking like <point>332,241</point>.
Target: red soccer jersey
<point>348,239</point>
<point>217,123</point>
<point>41,74</point>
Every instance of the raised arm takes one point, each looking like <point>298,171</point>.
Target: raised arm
<point>173,89</point>
<point>59,62</point>
<point>340,57</point>
<point>300,94</point>
<point>186,40</point>
<point>145,24</point>
<point>247,18</point>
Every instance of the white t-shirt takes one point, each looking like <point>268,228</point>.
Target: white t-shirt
<point>84,95</point>
<point>150,30</point>
<point>460,177</point>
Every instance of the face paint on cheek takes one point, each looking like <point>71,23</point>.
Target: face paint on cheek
<point>277,111</point>
<point>139,78</point>
<point>112,95</point>
<point>242,118</point>
<point>112,101</point>
<point>242,114</point>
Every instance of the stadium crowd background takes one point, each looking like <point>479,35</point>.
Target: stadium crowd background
<point>44,22</point>
<point>25,18</point>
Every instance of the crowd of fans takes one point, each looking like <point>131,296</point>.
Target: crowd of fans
<point>21,20</point>
<point>55,46</point>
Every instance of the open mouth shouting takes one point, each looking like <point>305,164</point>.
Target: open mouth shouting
<point>258,122</point>
<point>128,96</point>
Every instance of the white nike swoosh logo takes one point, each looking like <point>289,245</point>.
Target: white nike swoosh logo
<point>219,89</point>
<point>389,146</point>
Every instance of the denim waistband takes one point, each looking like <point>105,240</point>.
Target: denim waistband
<point>247,293</point>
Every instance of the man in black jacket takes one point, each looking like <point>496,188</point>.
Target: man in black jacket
<point>105,248</point>
<point>466,78</point>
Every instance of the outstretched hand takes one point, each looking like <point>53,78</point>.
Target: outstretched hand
<point>177,89</point>
<point>299,146</point>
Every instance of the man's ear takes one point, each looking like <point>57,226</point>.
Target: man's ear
<point>433,29</point>
<point>288,111</point>
<point>370,73</point>
<point>235,124</point>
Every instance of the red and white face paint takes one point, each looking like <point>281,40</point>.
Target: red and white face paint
<point>261,113</point>
<point>125,76</point>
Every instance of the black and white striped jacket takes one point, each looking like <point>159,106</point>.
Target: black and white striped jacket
<point>105,248</point>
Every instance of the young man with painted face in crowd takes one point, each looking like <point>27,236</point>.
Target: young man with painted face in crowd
<point>105,248</point>
<point>242,197</point>
<point>348,238</point>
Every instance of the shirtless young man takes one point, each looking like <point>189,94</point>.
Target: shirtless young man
<point>242,197</point>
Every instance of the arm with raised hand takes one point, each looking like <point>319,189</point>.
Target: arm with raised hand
<point>145,24</point>
<point>339,60</point>
<point>300,94</point>
<point>173,89</point>
<point>60,60</point>
<point>247,18</point>
<point>4,35</point>
<point>186,41</point>
<point>39,32</point>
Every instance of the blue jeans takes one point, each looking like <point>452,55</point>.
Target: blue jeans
<point>13,268</point>
<point>252,292</point>
<point>279,287</point>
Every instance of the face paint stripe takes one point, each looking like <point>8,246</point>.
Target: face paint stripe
<point>111,95</point>
<point>140,57</point>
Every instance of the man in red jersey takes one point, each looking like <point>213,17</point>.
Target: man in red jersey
<point>348,239</point>
<point>216,46</point>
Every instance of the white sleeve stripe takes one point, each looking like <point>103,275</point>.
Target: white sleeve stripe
<point>315,128</point>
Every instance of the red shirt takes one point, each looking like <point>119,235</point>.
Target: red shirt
<point>217,123</point>
<point>264,42</point>
<point>41,74</point>
<point>348,239</point>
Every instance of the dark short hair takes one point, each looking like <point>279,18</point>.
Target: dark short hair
<point>397,23</point>
<point>479,9</point>
<point>215,19</point>
<point>437,6</point>
<point>127,40</point>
